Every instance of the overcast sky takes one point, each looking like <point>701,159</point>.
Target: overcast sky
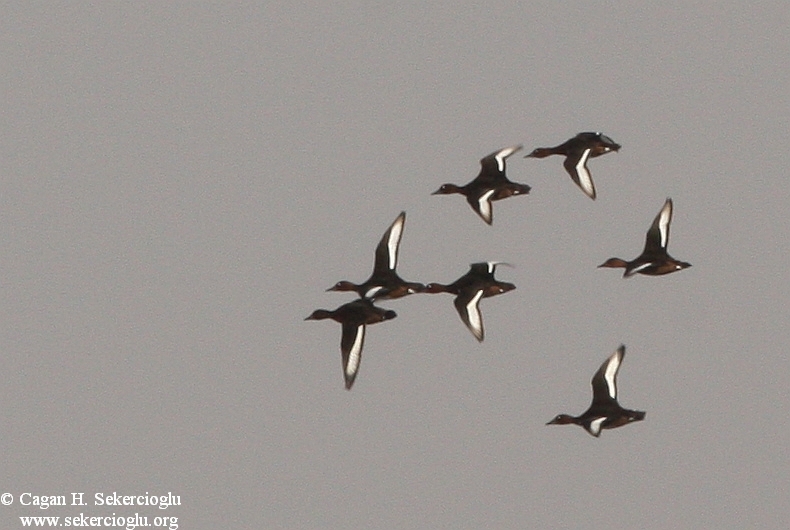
<point>180,184</point>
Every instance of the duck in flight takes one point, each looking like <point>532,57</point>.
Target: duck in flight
<point>490,185</point>
<point>604,412</point>
<point>654,260</point>
<point>384,282</point>
<point>354,317</point>
<point>469,289</point>
<point>577,151</point>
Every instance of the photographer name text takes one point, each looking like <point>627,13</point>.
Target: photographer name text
<point>43,502</point>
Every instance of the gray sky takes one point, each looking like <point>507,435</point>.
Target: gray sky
<point>180,184</point>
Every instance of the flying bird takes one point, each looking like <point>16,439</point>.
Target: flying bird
<point>490,185</point>
<point>604,412</point>
<point>354,317</point>
<point>577,151</point>
<point>384,282</point>
<point>654,260</point>
<point>469,289</point>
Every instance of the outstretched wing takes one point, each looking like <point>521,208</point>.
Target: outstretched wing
<point>482,206</point>
<point>493,165</point>
<point>387,249</point>
<point>604,382</point>
<point>657,237</point>
<point>467,303</point>
<point>577,169</point>
<point>351,349</point>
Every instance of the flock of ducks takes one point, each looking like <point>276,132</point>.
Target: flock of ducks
<point>492,184</point>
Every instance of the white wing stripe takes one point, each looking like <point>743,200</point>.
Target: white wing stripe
<point>663,223</point>
<point>610,374</point>
<point>503,154</point>
<point>584,176</point>
<point>373,291</point>
<point>356,352</point>
<point>485,205</point>
<point>595,426</point>
<point>394,242</point>
<point>639,268</point>
<point>473,312</point>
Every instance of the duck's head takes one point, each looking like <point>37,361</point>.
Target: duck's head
<point>343,286</point>
<point>540,152</point>
<point>613,263</point>
<point>446,189</point>
<point>562,419</point>
<point>319,314</point>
